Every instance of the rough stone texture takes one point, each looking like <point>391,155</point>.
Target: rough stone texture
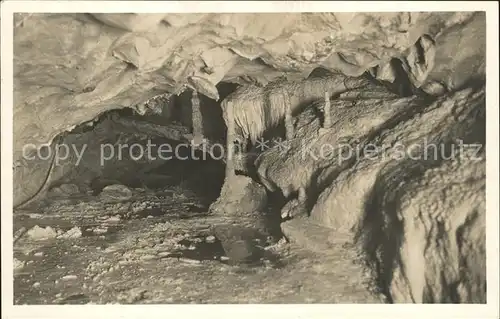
<point>425,248</point>
<point>246,201</point>
<point>95,160</point>
<point>315,154</point>
<point>442,257</point>
<point>76,248</point>
<point>341,205</point>
<point>421,223</point>
<point>310,235</point>
<point>240,195</point>
<point>129,263</point>
<point>79,65</point>
<point>456,67</point>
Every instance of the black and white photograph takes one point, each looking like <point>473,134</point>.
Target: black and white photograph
<point>274,153</point>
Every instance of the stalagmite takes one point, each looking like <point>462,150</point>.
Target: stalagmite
<point>302,195</point>
<point>197,120</point>
<point>295,207</point>
<point>288,115</point>
<point>327,122</point>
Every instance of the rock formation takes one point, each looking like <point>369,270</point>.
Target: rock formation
<point>383,119</point>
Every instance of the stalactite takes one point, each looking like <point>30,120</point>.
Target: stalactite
<point>230,141</point>
<point>288,116</point>
<point>257,109</point>
<point>197,119</point>
<point>327,121</point>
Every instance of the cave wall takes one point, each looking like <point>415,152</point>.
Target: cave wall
<point>79,65</point>
<point>403,178</point>
<point>69,68</point>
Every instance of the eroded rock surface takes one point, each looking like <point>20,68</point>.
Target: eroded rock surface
<point>240,195</point>
<point>379,193</point>
<point>69,68</point>
<point>442,256</point>
<point>397,178</point>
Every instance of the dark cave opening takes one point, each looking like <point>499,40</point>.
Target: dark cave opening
<point>151,149</point>
<point>190,169</point>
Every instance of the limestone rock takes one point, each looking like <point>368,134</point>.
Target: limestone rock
<point>418,142</point>
<point>315,155</point>
<point>309,235</point>
<point>71,67</point>
<point>64,190</point>
<point>420,221</point>
<point>399,197</point>
<point>240,195</point>
<point>41,233</point>
<point>116,192</point>
<point>442,256</point>
<point>460,58</point>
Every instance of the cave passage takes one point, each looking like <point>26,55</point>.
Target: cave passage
<point>230,164</point>
<point>143,160</point>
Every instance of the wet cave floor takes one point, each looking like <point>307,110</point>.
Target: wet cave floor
<point>128,245</point>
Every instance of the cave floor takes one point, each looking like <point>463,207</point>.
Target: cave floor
<point>86,250</point>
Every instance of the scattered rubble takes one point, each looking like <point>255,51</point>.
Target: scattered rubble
<point>39,233</point>
<point>116,193</point>
<point>73,233</point>
<point>17,264</point>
